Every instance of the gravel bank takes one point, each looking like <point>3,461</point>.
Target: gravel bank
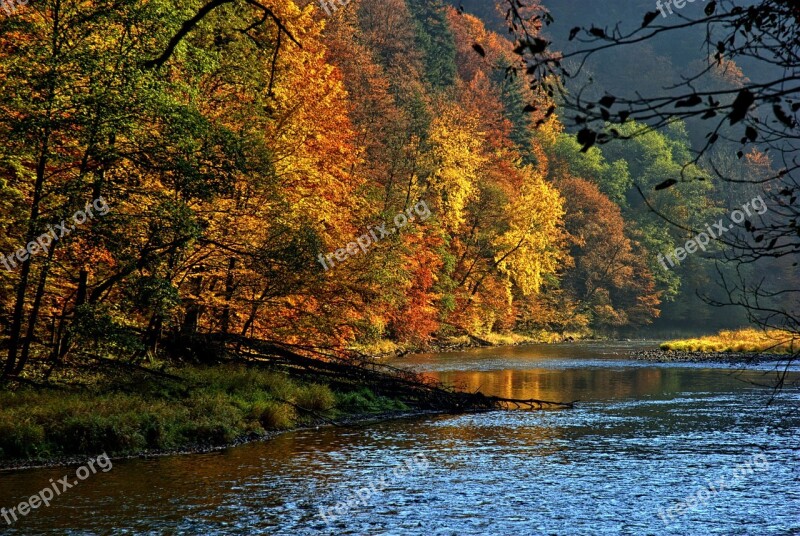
<point>732,358</point>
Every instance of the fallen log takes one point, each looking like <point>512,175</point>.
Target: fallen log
<point>349,371</point>
<point>533,403</point>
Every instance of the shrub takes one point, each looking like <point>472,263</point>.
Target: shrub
<point>315,397</point>
<point>277,416</point>
<point>19,439</point>
<point>365,401</point>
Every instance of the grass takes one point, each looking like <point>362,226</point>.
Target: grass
<point>499,339</point>
<point>215,406</point>
<point>380,347</point>
<point>746,340</point>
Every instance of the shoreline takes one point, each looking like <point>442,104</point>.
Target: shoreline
<point>360,419</point>
<point>367,418</point>
<point>730,358</point>
<point>474,342</point>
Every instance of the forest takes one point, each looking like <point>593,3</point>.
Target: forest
<point>399,266</point>
<point>228,161</point>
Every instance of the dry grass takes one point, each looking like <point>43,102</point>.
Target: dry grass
<point>506,338</point>
<point>743,340</point>
<point>380,347</point>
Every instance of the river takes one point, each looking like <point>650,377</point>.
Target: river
<point>641,440</point>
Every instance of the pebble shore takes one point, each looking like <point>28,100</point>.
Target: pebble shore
<point>733,358</point>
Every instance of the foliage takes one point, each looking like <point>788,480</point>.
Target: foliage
<point>233,162</point>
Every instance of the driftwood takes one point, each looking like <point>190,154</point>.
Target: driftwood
<point>532,403</point>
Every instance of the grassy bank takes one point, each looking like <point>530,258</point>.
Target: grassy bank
<point>743,340</point>
<point>210,407</point>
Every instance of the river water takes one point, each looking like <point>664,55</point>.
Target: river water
<point>642,439</point>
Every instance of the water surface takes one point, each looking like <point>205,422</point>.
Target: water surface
<point>642,438</point>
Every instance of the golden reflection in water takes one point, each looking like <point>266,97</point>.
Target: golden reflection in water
<point>558,385</point>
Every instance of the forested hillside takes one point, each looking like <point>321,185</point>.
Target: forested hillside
<point>676,57</point>
<point>379,173</point>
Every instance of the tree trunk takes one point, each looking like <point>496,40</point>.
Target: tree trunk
<point>33,220</point>
<point>229,287</point>
<point>33,318</point>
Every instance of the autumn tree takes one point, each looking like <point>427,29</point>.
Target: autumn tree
<point>611,281</point>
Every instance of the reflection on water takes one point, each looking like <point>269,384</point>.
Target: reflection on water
<point>589,371</point>
<point>564,385</point>
<point>642,438</point>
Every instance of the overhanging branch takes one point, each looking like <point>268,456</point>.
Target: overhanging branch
<point>190,24</point>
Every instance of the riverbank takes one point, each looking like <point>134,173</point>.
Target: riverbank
<point>739,341</point>
<point>97,404</point>
<point>730,358</point>
<point>733,347</point>
<point>385,349</point>
<point>191,409</point>
<point>358,419</point>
